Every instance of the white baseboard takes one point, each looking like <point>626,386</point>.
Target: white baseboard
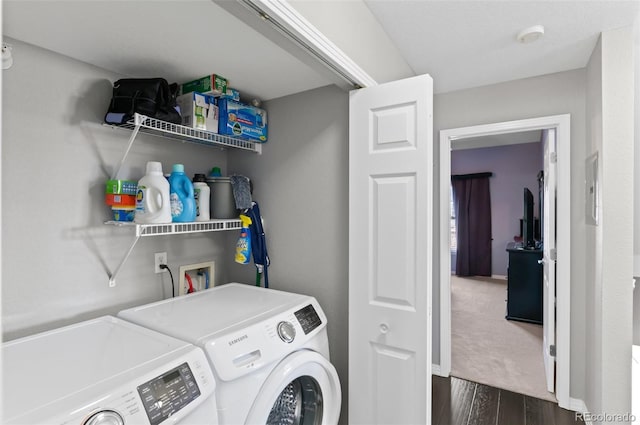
<point>498,276</point>
<point>579,406</point>
<point>435,370</point>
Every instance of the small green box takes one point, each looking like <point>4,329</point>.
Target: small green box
<point>121,187</point>
<point>211,84</point>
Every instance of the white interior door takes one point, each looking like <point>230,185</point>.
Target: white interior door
<point>390,249</point>
<point>549,258</point>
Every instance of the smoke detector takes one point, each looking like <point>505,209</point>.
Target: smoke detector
<point>531,34</point>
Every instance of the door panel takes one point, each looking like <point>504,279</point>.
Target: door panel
<point>391,365</point>
<point>390,247</point>
<point>393,238</point>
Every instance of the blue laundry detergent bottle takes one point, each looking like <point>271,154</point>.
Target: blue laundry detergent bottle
<point>183,202</point>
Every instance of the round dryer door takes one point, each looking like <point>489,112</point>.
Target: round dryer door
<point>303,389</point>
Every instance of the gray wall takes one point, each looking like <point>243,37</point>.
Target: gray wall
<point>609,253</point>
<point>514,167</point>
<point>594,320</point>
<point>56,251</point>
<point>369,46</point>
<point>301,185</point>
<point>636,190</point>
<point>552,94</point>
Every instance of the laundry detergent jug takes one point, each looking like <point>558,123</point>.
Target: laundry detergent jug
<point>152,197</point>
<point>183,202</point>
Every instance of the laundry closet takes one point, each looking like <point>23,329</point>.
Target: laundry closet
<point>56,155</point>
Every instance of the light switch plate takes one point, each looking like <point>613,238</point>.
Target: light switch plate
<point>592,190</point>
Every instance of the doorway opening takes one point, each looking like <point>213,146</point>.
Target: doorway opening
<point>474,134</point>
<point>496,284</point>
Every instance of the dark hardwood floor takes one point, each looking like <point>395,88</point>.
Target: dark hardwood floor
<point>460,402</point>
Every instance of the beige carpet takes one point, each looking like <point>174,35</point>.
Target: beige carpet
<point>487,348</point>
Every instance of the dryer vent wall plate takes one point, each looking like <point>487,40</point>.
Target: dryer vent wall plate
<point>199,273</point>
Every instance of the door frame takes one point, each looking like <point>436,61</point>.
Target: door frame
<point>561,123</point>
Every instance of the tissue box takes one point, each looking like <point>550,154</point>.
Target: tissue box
<point>241,120</point>
<point>211,84</point>
<point>199,111</point>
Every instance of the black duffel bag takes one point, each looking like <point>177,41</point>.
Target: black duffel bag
<point>153,97</point>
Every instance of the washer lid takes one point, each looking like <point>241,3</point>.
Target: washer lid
<point>46,367</point>
<point>199,316</point>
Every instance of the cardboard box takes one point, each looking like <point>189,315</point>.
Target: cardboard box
<point>120,200</point>
<point>232,94</point>
<point>211,84</point>
<point>121,187</point>
<point>241,120</point>
<point>123,213</point>
<point>199,111</point>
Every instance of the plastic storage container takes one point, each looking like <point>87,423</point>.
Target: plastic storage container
<point>123,213</point>
<point>202,194</point>
<point>183,203</point>
<point>223,205</point>
<point>152,197</point>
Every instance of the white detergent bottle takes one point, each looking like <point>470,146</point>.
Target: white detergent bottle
<point>152,198</point>
<point>202,194</point>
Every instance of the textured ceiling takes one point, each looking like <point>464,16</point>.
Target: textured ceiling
<point>464,44</point>
<point>177,40</point>
<point>461,44</point>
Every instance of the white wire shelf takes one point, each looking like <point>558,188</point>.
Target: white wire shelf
<point>142,123</point>
<point>169,130</point>
<point>143,230</point>
<point>180,228</point>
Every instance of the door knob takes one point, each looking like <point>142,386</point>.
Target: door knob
<point>541,261</point>
<point>384,328</point>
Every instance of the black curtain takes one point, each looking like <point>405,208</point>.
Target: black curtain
<point>472,204</point>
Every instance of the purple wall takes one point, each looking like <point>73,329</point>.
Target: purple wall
<point>514,167</point>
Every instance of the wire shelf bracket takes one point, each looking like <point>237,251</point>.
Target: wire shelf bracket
<point>144,230</point>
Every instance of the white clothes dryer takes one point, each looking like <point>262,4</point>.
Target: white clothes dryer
<point>268,350</point>
<point>106,372</point>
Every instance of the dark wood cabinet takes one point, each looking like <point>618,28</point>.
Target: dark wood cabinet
<point>524,285</point>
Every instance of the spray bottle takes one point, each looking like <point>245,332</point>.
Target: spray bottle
<point>243,246</point>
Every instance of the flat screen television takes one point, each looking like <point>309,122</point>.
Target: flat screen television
<point>528,238</point>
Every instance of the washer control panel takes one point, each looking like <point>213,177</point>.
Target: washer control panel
<point>308,318</point>
<point>168,393</point>
<point>267,338</point>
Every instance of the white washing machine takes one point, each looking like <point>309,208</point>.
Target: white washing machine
<point>268,350</point>
<point>106,372</point>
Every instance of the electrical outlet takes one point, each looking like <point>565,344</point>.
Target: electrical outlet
<point>161,258</point>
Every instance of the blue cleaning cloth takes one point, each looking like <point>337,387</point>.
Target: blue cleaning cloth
<point>241,191</point>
